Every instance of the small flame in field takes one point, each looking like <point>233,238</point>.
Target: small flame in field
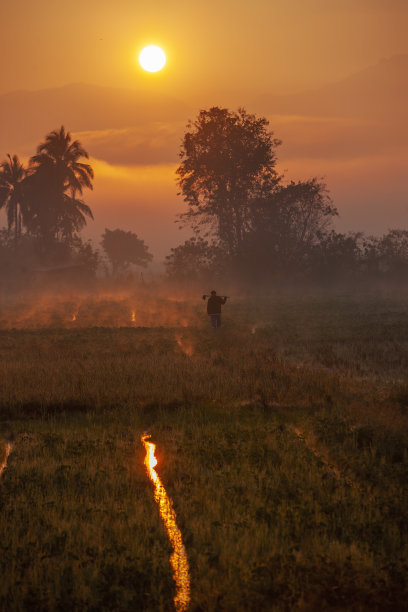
<point>185,345</point>
<point>3,464</point>
<point>94,307</point>
<point>178,559</point>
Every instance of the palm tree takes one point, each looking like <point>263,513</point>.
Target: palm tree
<point>57,178</point>
<point>12,176</point>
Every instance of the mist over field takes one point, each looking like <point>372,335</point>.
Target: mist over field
<point>104,306</point>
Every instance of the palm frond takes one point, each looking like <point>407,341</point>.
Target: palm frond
<point>84,208</point>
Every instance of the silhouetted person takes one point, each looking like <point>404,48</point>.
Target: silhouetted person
<point>214,308</point>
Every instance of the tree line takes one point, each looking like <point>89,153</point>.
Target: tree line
<point>45,198</point>
<point>248,225</point>
<point>251,226</point>
<point>45,211</point>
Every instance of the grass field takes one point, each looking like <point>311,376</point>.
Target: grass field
<point>282,439</point>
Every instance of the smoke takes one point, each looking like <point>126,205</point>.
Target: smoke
<point>100,307</point>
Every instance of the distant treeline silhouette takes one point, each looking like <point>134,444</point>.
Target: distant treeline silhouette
<point>44,206</point>
<point>248,224</point>
<point>45,213</point>
<point>45,197</point>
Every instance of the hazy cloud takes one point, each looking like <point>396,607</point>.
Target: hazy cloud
<point>303,137</point>
<point>145,145</point>
<point>336,138</point>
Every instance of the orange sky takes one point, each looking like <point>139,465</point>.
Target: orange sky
<point>213,46</point>
<point>227,53</point>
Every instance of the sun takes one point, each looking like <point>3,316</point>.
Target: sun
<point>152,58</point>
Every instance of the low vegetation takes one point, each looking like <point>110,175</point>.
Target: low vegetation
<point>281,438</point>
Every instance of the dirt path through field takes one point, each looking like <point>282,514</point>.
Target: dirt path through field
<point>178,559</point>
<point>3,464</point>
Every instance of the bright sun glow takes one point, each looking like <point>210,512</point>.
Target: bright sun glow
<point>152,58</point>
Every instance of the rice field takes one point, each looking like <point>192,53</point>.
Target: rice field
<point>281,441</point>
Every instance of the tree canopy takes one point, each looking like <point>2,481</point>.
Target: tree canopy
<point>124,248</point>
<point>44,206</point>
<point>12,198</point>
<point>195,259</point>
<point>257,222</point>
<point>228,160</point>
<point>56,178</point>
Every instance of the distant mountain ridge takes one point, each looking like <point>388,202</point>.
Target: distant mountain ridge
<point>376,92</point>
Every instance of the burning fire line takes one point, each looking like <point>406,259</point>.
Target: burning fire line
<point>178,559</point>
<point>3,464</point>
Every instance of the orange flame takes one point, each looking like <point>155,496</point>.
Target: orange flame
<point>178,559</point>
<point>3,464</point>
<point>99,306</point>
<point>185,345</point>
